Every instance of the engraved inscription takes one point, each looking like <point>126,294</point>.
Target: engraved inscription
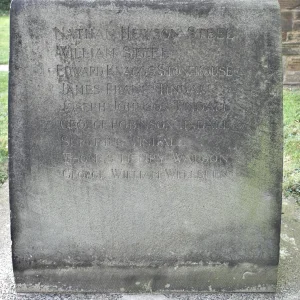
<point>159,70</point>
<point>131,33</point>
<point>139,102</point>
<point>131,174</point>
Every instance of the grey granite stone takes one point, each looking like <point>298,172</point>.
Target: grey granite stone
<point>145,145</point>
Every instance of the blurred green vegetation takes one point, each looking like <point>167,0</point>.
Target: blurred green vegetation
<point>291,170</point>
<point>3,126</point>
<point>4,39</point>
<point>4,6</point>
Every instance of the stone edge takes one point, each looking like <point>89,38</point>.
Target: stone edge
<point>192,279</point>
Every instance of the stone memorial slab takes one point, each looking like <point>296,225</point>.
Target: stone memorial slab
<point>145,145</point>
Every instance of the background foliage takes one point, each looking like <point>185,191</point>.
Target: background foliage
<point>3,126</point>
<point>4,39</point>
<point>4,5</point>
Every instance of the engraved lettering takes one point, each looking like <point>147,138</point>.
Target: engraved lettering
<point>82,174</point>
<point>69,107</point>
<point>146,34</point>
<point>79,89</point>
<point>210,33</point>
<point>144,53</point>
<point>82,124</point>
<point>116,89</point>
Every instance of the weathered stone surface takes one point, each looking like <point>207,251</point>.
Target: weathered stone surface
<point>293,63</point>
<point>145,145</point>
<point>287,18</point>
<point>291,49</point>
<point>292,67</point>
<point>290,37</point>
<point>289,4</point>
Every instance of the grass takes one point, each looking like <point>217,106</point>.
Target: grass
<point>291,177</point>
<point>3,125</point>
<point>4,55</point>
<point>4,39</point>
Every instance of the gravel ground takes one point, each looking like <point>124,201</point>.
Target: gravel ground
<point>288,277</point>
